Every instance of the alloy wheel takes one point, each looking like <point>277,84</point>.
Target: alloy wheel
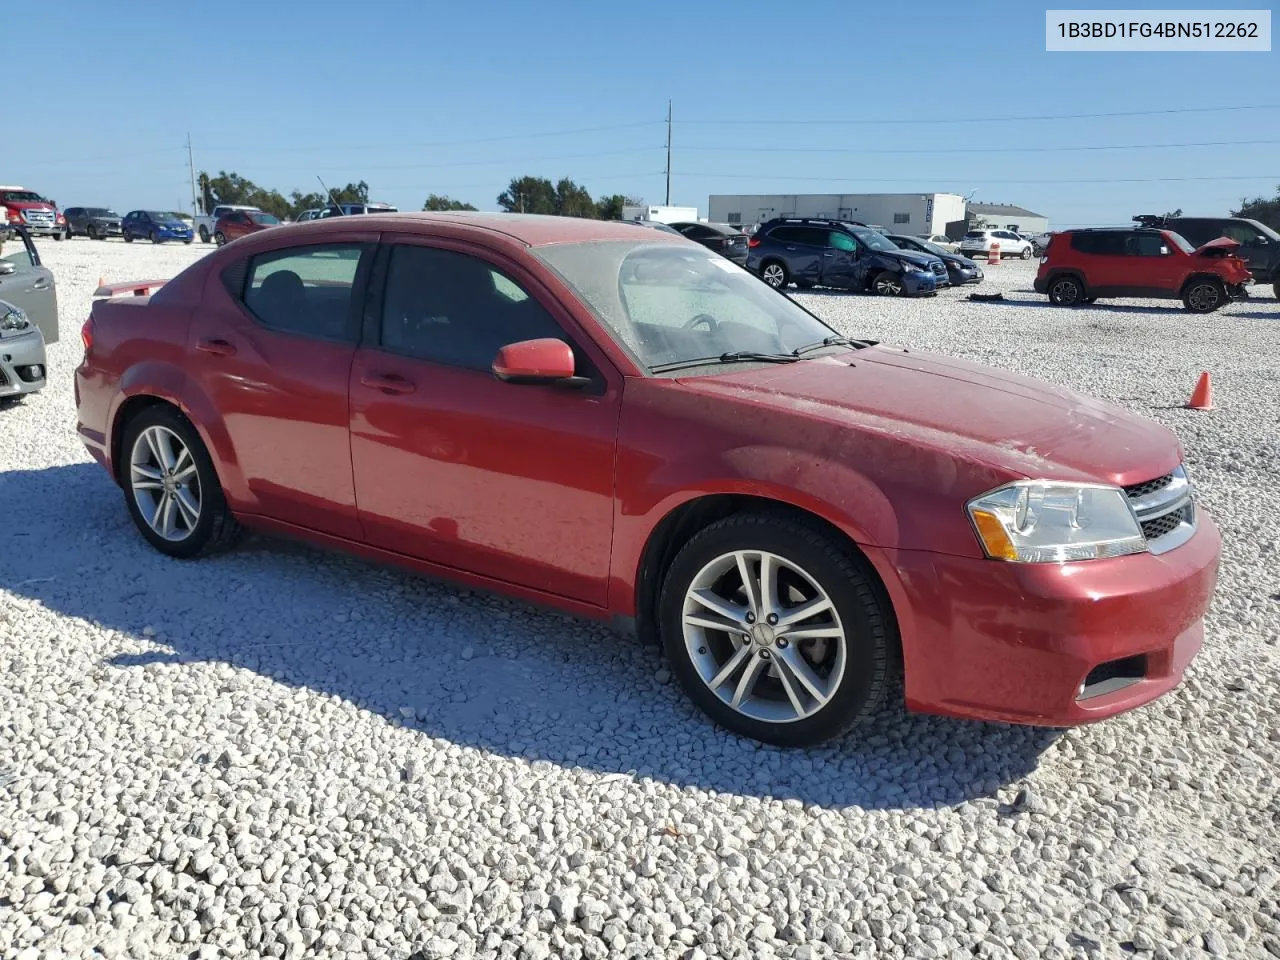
<point>764,636</point>
<point>1203,297</point>
<point>774,275</point>
<point>888,285</point>
<point>1064,291</point>
<point>165,483</point>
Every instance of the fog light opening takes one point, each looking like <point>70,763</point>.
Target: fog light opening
<point>1112,676</point>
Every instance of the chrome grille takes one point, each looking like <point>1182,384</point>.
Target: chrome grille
<point>1165,510</point>
<point>42,218</point>
<point>939,269</point>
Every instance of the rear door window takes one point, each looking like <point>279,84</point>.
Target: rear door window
<point>307,290</point>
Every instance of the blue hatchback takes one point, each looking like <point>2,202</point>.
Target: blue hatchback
<point>155,226</point>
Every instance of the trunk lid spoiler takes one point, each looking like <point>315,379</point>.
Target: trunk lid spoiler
<point>138,288</point>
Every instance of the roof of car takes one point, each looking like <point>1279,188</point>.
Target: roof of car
<point>531,229</point>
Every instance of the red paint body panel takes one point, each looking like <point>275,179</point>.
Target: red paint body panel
<point>553,494</point>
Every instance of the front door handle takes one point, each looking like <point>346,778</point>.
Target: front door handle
<point>216,346</point>
<point>387,383</point>
<point>829,253</point>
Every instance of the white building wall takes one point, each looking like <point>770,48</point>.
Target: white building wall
<point>1005,220</point>
<point>661,214</point>
<point>916,213</point>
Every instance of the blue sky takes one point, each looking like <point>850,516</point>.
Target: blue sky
<point>420,97</point>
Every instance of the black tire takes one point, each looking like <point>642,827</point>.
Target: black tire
<point>127,236</point>
<point>58,236</point>
<point>186,243</point>
<point>204,234</point>
<point>1204,295</point>
<point>1066,290</point>
<point>216,529</point>
<point>775,274</point>
<point>888,284</point>
<point>92,232</point>
<point>870,631</point>
<point>153,237</point>
<point>1026,253</point>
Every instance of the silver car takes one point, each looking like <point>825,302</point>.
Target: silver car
<point>29,286</point>
<point>22,361</point>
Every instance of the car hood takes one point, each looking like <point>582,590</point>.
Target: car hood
<point>1220,243</point>
<point>955,258</point>
<point>173,225</point>
<point>911,256</point>
<point>1015,423</point>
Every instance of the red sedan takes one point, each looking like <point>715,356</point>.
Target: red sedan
<point>631,427</point>
<point>235,224</point>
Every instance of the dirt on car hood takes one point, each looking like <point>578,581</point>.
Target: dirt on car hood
<point>1004,419</point>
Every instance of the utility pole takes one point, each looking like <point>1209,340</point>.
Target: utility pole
<point>191,164</point>
<point>668,153</point>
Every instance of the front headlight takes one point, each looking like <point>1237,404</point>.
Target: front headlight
<point>12,320</point>
<point>1044,521</point>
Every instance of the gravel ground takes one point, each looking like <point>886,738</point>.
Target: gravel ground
<point>283,753</point>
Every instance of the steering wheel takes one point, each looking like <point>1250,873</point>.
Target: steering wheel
<point>706,318</point>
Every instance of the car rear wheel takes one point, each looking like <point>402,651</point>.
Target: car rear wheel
<point>775,631</point>
<point>1026,253</point>
<point>1065,291</point>
<point>219,238</point>
<point>888,284</point>
<point>204,234</point>
<point>92,231</point>
<point>153,237</point>
<point>775,274</point>
<point>1204,296</point>
<point>171,487</point>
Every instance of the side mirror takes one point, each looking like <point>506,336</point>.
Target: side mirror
<point>1164,251</point>
<point>545,361</point>
<point>7,268</point>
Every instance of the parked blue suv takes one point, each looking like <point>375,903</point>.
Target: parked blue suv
<point>155,226</point>
<point>835,253</point>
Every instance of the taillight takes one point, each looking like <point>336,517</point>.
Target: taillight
<point>86,334</point>
<point>753,242</point>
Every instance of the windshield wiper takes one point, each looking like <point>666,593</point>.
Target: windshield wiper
<point>735,356</point>
<point>834,341</point>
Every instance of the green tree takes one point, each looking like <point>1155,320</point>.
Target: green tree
<point>610,207</point>
<point>528,195</point>
<point>438,201</point>
<point>1261,209</point>
<point>573,200</point>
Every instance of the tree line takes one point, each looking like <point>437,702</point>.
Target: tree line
<point>1261,209</point>
<point>523,195</point>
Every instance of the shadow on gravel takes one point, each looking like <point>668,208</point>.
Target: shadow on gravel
<point>473,669</point>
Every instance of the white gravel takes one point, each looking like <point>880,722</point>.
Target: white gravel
<point>279,753</point>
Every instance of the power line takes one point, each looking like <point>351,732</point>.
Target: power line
<point>918,121</point>
<point>984,149</point>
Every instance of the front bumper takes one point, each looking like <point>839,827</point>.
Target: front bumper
<point>185,235</point>
<point>103,228</point>
<point>22,364</point>
<point>962,275</point>
<point>1012,642</point>
<point>919,284</point>
<point>1238,291</point>
<point>46,230</point>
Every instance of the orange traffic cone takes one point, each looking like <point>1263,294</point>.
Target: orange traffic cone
<point>1202,395</point>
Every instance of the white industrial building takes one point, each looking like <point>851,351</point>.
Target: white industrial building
<point>913,213</point>
<point>660,214</point>
<point>1007,217</point>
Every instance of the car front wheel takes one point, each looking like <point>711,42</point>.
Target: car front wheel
<point>1026,253</point>
<point>775,274</point>
<point>171,487</point>
<point>775,631</point>
<point>1204,296</point>
<point>888,284</point>
<point>1065,292</point>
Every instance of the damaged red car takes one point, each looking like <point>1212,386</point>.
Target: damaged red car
<point>633,428</point>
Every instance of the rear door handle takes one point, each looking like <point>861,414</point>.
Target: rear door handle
<point>387,383</point>
<point>216,346</point>
<point>41,284</point>
<point>790,248</point>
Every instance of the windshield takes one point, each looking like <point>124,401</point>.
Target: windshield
<point>933,248</point>
<point>22,196</point>
<point>669,303</point>
<point>873,240</point>
<point>100,212</point>
<point>1266,230</point>
<point>265,219</point>
<point>1182,242</point>
<point>161,216</point>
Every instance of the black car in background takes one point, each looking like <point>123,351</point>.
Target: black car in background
<point>654,225</point>
<point>832,253</point>
<point>1259,244</point>
<point>723,238</point>
<point>96,223</point>
<point>960,270</point>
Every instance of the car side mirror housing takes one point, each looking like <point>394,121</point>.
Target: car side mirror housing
<point>1164,251</point>
<point>7,268</point>
<point>545,361</point>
